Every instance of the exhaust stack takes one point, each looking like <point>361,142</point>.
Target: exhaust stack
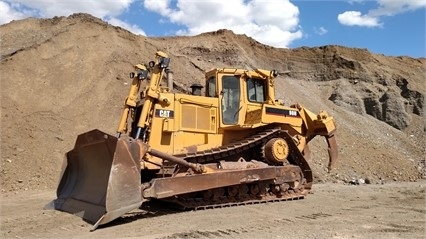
<point>169,75</point>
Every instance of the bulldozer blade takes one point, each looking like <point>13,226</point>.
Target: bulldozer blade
<point>100,179</point>
<point>332,151</point>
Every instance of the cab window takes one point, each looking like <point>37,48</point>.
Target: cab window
<point>256,90</point>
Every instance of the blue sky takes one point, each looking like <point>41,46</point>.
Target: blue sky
<point>389,27</point>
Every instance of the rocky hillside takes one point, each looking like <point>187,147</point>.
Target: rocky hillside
<point>64,76</point>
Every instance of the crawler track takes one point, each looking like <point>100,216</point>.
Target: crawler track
<point>271,193</point>
<point>252,193</point>
<point>254,145</point>
<point>233,149</point>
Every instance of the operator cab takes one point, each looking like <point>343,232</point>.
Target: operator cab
<point>238,90</point>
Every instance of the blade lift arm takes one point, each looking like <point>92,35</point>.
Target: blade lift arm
<point>131,100</point>
<point>152,92</point>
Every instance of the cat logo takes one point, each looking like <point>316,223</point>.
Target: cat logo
<point>164,113</point>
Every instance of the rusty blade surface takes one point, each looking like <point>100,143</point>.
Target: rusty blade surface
<point>332,151</point>
<point>101,180</point>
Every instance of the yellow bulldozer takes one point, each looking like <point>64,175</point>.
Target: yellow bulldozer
<point>235,144</point>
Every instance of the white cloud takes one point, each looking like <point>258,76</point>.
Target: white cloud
<point>385,8</point>
<point>159,6</point>
<point>393,7</point>
<point>105,9</point>
<point>9,13</point>
<point>354,18</point>
<point>51,8</point>
<point>273,23</point>
<point>132,28</point>
<point>321,31</point>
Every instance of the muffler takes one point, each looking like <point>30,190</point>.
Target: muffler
<point>100,179</point>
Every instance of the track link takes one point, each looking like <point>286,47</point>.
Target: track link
<point>198,202</point>
<point>233,149</point>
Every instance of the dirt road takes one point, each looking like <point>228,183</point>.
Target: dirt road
<point>394,210</point>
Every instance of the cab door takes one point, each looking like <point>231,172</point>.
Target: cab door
<point>230,97</point>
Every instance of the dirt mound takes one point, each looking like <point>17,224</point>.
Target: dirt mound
<point>67,75</point>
